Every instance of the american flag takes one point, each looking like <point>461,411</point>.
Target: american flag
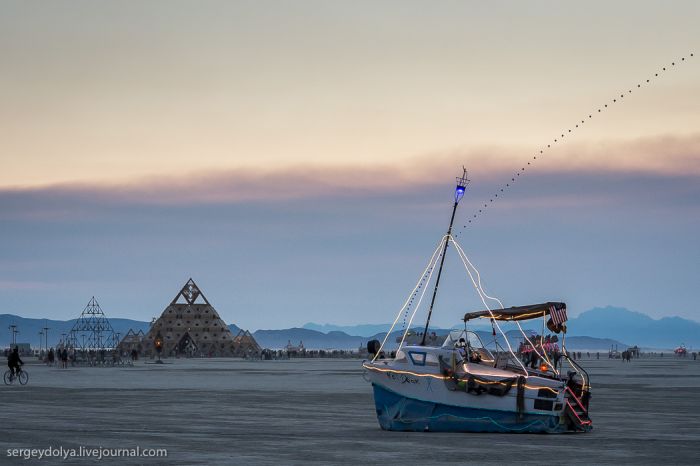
<point>558,315</point>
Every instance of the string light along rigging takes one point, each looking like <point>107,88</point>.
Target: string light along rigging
<point>500,192</point>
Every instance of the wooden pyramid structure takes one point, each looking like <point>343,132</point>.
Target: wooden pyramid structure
<point>245,345</point>
<point>133,340</point>
<point>191,327</point>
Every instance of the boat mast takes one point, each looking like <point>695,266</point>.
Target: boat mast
<point>459,192</point>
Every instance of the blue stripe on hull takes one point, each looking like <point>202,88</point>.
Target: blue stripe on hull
<point>396,412</point>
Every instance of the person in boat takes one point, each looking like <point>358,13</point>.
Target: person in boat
<point>533,358</point>
<point>461,347</point>
<point>555,354</point>
<point>465,349</point>
<point>522,352</point>
<point>525,353</point>
<point>14,361</point>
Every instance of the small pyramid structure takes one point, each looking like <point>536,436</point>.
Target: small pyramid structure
<point>245,345</point>
<point>92,330</point>
<point>133,340</point>
<point>190,326</point>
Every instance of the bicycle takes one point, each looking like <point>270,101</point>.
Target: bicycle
<point>10,378</point>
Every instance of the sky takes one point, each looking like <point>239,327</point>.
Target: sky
<point>297,159</point>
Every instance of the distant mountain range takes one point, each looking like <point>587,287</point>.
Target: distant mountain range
<point>605,326</point>
<point>29,328</point>
<point>596,329</point>
<point>636,328</point>
<point>363,330</point>
<point>314,339</point>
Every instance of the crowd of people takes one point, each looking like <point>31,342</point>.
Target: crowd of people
<point>62,357</point>
<point>59,357</point>
<point>538,347</point>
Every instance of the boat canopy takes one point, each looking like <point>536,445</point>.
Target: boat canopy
<point>531,311</point>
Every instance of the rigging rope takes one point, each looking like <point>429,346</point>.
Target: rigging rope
<point>479,288</point>
<point>432,269</point>
<point>419,284</point>
<point>482,294</point>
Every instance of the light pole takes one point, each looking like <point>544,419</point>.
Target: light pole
<point>13,329</point>
<point>46,334</point>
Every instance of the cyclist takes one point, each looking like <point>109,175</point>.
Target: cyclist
<point>14,361</point>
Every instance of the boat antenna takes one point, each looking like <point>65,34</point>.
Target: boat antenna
<point>462,183</point>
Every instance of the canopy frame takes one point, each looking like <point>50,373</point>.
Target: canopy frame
<point>531,311</point>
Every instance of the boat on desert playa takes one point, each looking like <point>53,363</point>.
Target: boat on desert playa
<point>466,384</point>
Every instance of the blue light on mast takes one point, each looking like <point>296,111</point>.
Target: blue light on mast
<point>462,183</point>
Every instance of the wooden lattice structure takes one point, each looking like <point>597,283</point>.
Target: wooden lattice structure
<point>132,341</point>
<point>245,345</point>
<point>191,327</point>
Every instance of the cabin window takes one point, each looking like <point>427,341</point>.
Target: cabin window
<point>417,357</point>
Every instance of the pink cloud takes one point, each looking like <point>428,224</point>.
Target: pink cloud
<point>661,155</point>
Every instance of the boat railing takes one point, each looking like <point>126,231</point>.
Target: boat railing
<point>579,370</point>
<point>574,397</point>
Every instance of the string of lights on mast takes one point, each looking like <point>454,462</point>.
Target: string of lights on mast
<point>462,182</point>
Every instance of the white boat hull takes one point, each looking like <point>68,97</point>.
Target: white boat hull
<point>408,400</point>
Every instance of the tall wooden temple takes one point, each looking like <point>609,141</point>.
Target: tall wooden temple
<point>191,327</point>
